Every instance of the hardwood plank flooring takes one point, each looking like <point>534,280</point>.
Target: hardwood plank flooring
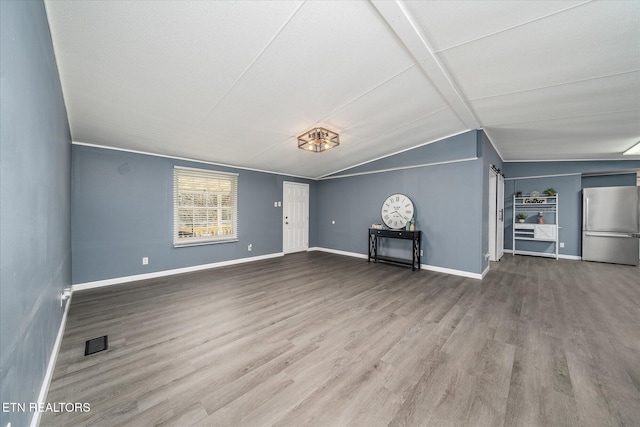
<point>317,339</point>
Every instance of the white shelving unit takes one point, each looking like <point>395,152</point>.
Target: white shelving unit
<point>528,231</point>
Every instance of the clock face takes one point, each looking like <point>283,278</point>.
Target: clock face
<point>397,211</point>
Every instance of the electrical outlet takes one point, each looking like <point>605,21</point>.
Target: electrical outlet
<point>421,252</point>
<point>333,222</point>
<point>279,204</point>
<point>275,204</point>
<point>145,260</point>
<point>562,244</point>
<point>250,247</point>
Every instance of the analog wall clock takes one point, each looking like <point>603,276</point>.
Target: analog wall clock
<point>397,211</point>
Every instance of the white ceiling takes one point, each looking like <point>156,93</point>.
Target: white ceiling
<point>235,82</point>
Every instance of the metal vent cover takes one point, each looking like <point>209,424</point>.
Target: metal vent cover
<point>95,345</point>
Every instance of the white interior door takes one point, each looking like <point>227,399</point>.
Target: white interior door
<point>295,217</point>
<point>493,197</point>
<point>500,217</point>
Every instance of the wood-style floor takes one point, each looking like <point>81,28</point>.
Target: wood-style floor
<point>327,340</point>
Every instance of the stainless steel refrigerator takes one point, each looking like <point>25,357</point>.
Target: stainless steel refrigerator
<point>611,224</point>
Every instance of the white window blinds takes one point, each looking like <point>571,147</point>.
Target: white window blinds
<point>205,206</point>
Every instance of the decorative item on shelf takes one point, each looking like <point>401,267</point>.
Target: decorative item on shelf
<point>318,139</point>
<point>413,225</point>
<point>518,193</point>
<point>535,194</point>
<point>521,217</point>
<point>377,226</point>
<point>534,201</point>
<point>550,191</point>
<point>397,211</point>
<point>540,217</point>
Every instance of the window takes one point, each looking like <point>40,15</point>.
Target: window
<point>205,206</point>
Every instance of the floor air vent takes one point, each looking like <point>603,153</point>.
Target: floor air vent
<point>95,345</point>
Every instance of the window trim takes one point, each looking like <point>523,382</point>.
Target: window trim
<point>204,173</point>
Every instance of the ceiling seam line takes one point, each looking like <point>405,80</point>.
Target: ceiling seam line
<point>368,139</point>
<point>444,70</point>
<point>565,117</point>
<point>258,56</point>
<point>553,85</point>
<point>512,27</point>
<point>368,91</point>
<point>404,125</point>
<point>317,123</point>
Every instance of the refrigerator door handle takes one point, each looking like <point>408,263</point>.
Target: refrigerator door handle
<point>605,234</point>
<point>585,213</point>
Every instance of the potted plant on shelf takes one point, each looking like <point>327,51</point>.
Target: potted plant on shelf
<point>550,191</point>
<point>521,217</point>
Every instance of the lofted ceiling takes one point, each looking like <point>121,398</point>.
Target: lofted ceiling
<point>234,82</point>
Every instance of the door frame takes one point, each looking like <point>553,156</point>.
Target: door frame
<point>500,217</point>
<point>285,184</point>
<point>496,215</point>
<point>493,223</point>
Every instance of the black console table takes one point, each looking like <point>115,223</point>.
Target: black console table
<point>376,234</point>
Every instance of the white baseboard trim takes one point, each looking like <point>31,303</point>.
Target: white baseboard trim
<point>46,383</point>
<point>422,266</point>
<point>135,278</point>
<point>572,257</point>
<point>452,271</point>
<point>486,270</point>
<point>337,252</point>
<point>550,255</point>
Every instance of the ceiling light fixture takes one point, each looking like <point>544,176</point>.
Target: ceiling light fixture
<point>318,139</point>
<point>633,151</point>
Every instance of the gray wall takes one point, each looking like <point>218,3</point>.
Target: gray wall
<point>455,148</point>
<point>626,179</point>
<point>529,169</point>
<point>122,210</point>
<point>35,248</point>
<point>566,178</point>
<point>447,198</point>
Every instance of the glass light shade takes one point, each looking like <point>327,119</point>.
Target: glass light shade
<point>318,139</point>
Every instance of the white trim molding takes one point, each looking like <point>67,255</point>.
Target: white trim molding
<point>452,271</point>
<point>541,176</point>
<point>422,266</point>
<point>399,168</point>
<point>392,154</point>
<point>155,274</point>
<point>486,270</point>
<point>338,252</point>
<point>48,376</point>
<point>187,159</point>
<point>550,255</point>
